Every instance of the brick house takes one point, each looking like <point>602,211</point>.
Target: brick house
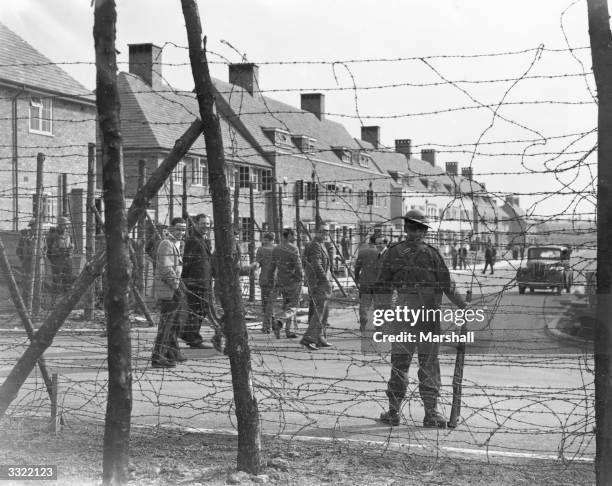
<point>278,148</point>
<point>43,110</point>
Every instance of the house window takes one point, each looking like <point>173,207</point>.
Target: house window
<point>245,229</point>
<point>364,160</point>
<point>243,177</point>
<point>199,172</point>
<point>310,191</point>
<point>40,115</point>
<point>177,173</point>
<point>49,211</point>
<point>266,180</point>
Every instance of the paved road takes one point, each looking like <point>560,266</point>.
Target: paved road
<point>529,394</point>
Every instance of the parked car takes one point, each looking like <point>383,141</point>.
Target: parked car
<point>547,268</point>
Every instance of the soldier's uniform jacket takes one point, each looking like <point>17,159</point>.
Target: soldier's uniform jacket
<point>419,274</point>
<point>25,248</point>
<point>316,264</point>
<point>198,263</point>
<point>286,262</point>
<point>59,246</point>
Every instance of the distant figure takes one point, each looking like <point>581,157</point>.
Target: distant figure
<point>463,258</point>
<point>25,248</point>
<point>454,255</point>
<point>345,245</point>
<point>316,264</point>
<point>289,275</point>
<point>367,267</point>
<point>59,253</point>
<point>489,257</point>
<point>263,260</point>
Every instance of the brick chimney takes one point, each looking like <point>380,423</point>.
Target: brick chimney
<point>371,134</point>
<point>516,202</point>
<point>451,168</point>
<point>429,155</point>
<point>145,61</point>
<point>245,75</point>
<point>404,146</point>
<point>314,103</point>
<point>466,172</point>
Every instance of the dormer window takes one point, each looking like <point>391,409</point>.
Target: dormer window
<point>303,143</point>
<point>364,160</point>
<point>279,137</point>
<point>344,154</point>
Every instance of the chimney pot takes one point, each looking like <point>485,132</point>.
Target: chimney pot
<point>404,146</point>
<point>429,155</point>
<point>313,103</point>
<point>371,134</point>
<point>145,61</point>
<point>245,75</point>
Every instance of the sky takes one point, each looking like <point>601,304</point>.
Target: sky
<point>491,84</point>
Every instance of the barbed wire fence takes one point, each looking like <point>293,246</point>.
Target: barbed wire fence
<point>526,394</point>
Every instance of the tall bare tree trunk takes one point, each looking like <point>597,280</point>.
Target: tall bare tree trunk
<point>247,413</point>
<point>601,52</point>
<point>90,226</point>
<point>44,336</point>
<point>119,263</point>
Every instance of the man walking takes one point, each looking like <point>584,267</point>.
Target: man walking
<point>317,265</point>
<point>167,291</point>
<point>59,253</point>
<point>25,249</point>
<point>289,275</point>
<point>197,275</point>
<point>367,268</point>
<point>463,258</point>
<point>489,257</point>
<point>418,272</point>
<point>263,260</point>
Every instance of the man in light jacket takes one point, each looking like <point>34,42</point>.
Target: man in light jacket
<point>169,295</point>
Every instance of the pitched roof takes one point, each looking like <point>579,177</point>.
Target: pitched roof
<point>156,119</point>
<point>257,112</point>
<point>22,65</point>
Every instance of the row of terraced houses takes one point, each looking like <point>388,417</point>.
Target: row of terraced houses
<point>289,154</point>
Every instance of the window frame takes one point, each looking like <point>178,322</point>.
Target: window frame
<point>40,116</point>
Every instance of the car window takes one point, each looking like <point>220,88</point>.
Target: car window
<point>544,254</point>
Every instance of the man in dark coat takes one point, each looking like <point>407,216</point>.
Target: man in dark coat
<point>418,273</point>
<point>316,265</point>
<point>197,275</point>
<point>489,257</point>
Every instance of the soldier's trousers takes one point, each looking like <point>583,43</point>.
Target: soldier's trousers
<point>166,342</point>
<point>267,304</point>
<point>319,297</point>
<point>429,374</point>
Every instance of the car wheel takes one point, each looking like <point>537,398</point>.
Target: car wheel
<point>557,290</point>
<point>521,289</point>
<point>531,289</point>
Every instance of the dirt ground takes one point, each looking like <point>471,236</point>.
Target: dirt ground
<point>165,457</point>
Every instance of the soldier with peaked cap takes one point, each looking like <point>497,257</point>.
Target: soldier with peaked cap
<point>418,273</point>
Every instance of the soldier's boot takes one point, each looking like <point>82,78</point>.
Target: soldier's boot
<point>434,419</point>
<point>392,416</point>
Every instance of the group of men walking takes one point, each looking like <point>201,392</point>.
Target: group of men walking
<point>184,275</point>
